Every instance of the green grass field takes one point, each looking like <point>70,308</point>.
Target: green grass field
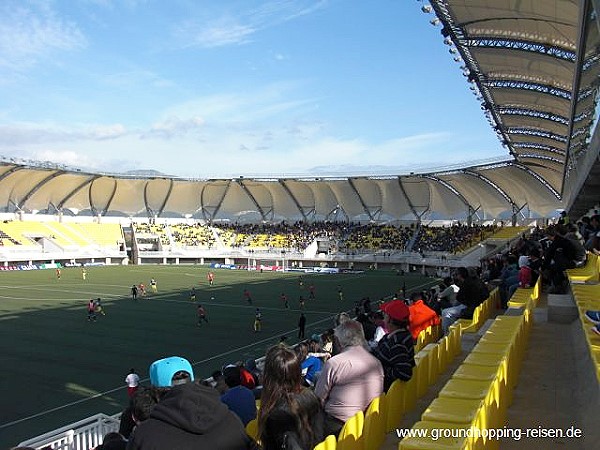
<point>58,368</point>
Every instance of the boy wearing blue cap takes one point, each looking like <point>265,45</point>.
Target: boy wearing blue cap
<point>188,415</point>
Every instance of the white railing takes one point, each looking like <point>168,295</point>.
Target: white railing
<point>82,435</point>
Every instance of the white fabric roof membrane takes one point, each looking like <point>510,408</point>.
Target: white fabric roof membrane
<point>493,191</point>
<point>535,67</point>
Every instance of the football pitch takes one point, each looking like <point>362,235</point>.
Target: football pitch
<point>58,368</point>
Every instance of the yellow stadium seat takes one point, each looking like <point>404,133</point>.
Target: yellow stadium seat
<point>351,435</point>
<point>252,429</point>
<point>487,391</point>
<point>431,441</point>
<point>330,443</point>
<point>397,401</point>
<point>422,372</point>
<point>457,410</point>
<point>375,423</point>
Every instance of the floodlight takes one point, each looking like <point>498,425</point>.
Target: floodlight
<point>426,9</point>
<point>434,22</point>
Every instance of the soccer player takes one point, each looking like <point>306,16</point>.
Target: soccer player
<point>340,292</point>
<point>201,315</point>
<point>211,278</point>
<point>284,299</point>
<point>301,281</point>
<point>142,289</point>
<point>311,292</point>
<point>153,285</point>
<point>193,294</point>
<point>83,273</point>
<point>134,292</point>
<point>98,306</point>
<point>247,296</point>
<point>58,273</point>
<point>257,321</point>
<point>301,301</point>
<point>91,310</point>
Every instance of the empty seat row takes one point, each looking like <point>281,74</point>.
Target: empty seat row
<point>587,298</point>
<point>479,392</point>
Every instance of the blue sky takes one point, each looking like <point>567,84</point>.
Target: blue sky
<point>225,88</point>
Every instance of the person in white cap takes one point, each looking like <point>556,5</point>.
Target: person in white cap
<point>133,381</point>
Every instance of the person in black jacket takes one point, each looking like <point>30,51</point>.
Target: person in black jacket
<point>188,415</point>
<point>470,295</point>
<point>559,256</point>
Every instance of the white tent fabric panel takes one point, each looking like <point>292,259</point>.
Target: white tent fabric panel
<point>56,190</point>
<point>536,123</point>
<point>393,204</point>
<point>17,185</point>
<point>184,198</point>
<point>522,189</point>
<point>128,195</point>
<point>478,194</point>
<point>302,194</point>
<point>544,21</point>
<point>370,193</point>
<point>504,64</point>
<point>156,192</point>
<point>284,207</point>
<point>236,204</point>
<point>325,199</point>
<point>418,192</point>
<point>348,200</point>
<point>445,204</point>
<point>537,100</point>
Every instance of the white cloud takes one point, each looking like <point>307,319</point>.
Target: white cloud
<point>268,102</point>
<point>70,158</point>
<point>238,27</point>
<point>32,32</point>
<point>225,31</point>
<point>173,127</point>
<point>24,134</point>
<point>136,77</point>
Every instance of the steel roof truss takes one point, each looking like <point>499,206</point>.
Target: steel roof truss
<point>520,44</point>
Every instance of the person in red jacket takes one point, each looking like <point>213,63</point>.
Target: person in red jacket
<point>421,315</point>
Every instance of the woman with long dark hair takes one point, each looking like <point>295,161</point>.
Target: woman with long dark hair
<point>290,415</point>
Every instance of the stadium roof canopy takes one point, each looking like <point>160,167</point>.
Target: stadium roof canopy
<point>532,64</point>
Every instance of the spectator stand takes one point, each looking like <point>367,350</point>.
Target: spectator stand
<point>367,430</point>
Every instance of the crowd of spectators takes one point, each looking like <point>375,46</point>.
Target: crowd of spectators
<point>297,235</point>
<point>453,239</point>
<point>345,237</point>
<point>196,235</point>
<point>376,237</point>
